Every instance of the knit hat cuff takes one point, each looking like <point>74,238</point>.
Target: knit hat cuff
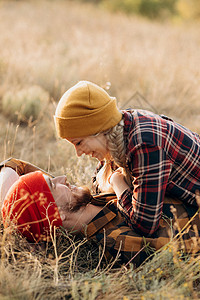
<point>102,119</point>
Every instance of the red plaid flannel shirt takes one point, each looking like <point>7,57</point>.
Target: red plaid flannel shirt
<point>164,158</point>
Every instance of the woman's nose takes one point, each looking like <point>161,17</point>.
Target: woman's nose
<point>79,152</point>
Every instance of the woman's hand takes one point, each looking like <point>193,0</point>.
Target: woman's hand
<point>118,182</point>
<point>116,177</point>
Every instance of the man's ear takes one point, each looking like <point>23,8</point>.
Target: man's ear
<point>63,217</point>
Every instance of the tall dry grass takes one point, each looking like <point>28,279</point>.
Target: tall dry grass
<point>69,268</point>
<point>53,44</point>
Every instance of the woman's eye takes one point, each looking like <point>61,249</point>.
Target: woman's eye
<point>78,143</point>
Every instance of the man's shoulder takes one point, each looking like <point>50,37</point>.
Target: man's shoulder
<point>108,217</point>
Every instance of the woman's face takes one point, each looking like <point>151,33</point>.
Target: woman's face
<point>96,146</point>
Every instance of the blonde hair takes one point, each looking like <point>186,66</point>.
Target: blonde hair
<point>116,146</point>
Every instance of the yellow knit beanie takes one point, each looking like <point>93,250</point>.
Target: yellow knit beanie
<point>85,109</point>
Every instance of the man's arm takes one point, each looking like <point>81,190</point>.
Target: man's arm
<point>118,241</point>
<point>7,178</point>
<point>21,167</point>
<point>10,170</point>
<point>109,229</point>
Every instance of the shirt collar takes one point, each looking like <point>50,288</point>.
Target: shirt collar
<point>106,215</point>
<point>128,125</point>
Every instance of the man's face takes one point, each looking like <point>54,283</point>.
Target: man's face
<point>73,204</point>
<point>71,201</point>
<point>68,197</point>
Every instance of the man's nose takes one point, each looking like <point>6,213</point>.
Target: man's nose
<point>63,179</point>
<point>59,179</point>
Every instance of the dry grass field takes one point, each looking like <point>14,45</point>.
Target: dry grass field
<point>155,66</point>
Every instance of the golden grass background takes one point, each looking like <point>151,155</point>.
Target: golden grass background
<point>152,65</point>
<point>54,44</point>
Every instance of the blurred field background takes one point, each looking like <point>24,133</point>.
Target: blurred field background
<point>146,54</point>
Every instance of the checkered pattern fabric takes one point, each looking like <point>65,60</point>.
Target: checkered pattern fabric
<point>164,159</point>
<point>110,229</point>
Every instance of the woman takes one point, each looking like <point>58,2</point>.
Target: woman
<point>154,155</point>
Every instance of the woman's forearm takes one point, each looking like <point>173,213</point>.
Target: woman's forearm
<point>118,183</point>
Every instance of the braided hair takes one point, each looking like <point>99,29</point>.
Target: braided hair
<point>116,146</point>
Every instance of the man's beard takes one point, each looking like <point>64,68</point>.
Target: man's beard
<point>80,201</point>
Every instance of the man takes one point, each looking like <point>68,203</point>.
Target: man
<point>36,203</point>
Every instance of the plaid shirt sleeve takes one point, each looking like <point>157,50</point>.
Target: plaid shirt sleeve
<point>21,167</point>
<point>142,207</point>
<point>118,241</point>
